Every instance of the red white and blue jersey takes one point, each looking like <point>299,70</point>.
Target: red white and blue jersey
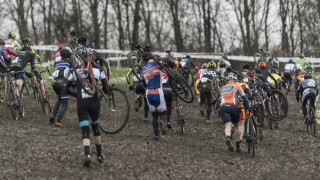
<point>152,75</point>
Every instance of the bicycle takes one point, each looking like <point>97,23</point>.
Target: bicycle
<point>178,83</point>
<point>181,120</point>
<point>250,131</point>
<point>310,121</point>
<point>14,96</point>
<point>115,103</point>
<point>41,91</point>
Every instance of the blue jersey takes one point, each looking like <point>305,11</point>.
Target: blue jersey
<point>152,75</point>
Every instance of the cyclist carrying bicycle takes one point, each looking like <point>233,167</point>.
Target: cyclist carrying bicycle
<point>230,111</point>
<point>205,88</point>
<point>226,62</point>
<point>275,75</point>
<point>11,42</point>
<point>26,44</point>
<point>187,63</point>
<point>201,70</point>
<point>262,75</point>
<point>307,90</point>
<point>88,106</point>
<point>154,92</point>
<point>223,69</point>
<point>138,89</point>
<point>57,56</point>
<point>301,63</point>
<point>60,75</point>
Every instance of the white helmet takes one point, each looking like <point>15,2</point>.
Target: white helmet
<point>232,76</point>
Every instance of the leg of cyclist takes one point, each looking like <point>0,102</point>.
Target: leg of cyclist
<point>83,115</point>
<point>55,110</point>
<point>168,95</point>
<point>94,116</point>
<point>239,129</point>
<point>19,82</point>
<point>146,109</point>
<point>230,116</point>
<point>64,107</point>
<point>203,99</point>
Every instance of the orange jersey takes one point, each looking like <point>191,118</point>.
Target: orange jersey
<point>230,93</point>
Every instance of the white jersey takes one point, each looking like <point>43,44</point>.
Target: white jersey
<point>288,68</point>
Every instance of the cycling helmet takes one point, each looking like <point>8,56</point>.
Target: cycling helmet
<point>26,40</point>
<point>301,55</point>
<point>82,40</point>
<point>11,35</point>
<point>146,48</point>
<point>146,56</point>
<point>240,76</point>
<point>262,64</point>
<point>2,42</point>
<point>222,64</point>
<point>211,65</point>
<point>225,57</point>
<point>231,76</point>
<point>65,53</point>
<point>266,52</point>
<point>204,65</point>
<point>188,56</point>
<point>246,66</point>
<point>61,46</point>
<point>307,76</point>
<point>291,61</point>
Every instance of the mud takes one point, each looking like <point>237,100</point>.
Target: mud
<point>32,149</point>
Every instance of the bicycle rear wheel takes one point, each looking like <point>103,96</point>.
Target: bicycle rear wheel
<point>87,82</point>
<point>182,89</point>
<point>251,139</point>
<point>277,105</point>
<point>135,60</point>
<point>115,111</point>
<point>258,108</point>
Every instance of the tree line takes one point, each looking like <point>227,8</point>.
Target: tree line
<point>285,27</point>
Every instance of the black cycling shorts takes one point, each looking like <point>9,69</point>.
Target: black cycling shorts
<point>89,108</point>
<point>230,113</point>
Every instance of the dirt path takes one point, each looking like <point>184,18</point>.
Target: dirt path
<point>31,149</point>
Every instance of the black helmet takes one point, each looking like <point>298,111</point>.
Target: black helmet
<point>65,53</point>
<point>146,56</point>
<point>307,76</point>
<point>146,48</point>
<point>26,40</point>
<point>82,40</point>
<point>2,42</point>
<point>247,66</point>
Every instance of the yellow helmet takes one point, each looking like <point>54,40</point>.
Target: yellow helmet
<point>211,65</point>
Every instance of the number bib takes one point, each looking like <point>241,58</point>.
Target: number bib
<point>84,94</point>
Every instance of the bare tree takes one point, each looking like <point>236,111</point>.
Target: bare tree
<point>174,8</point>
<point>136,22</point>
<point>19,12</point>
<point>283,12</point>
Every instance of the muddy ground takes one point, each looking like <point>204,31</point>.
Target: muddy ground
<point>32,149</point>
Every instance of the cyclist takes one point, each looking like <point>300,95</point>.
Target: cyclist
<point>248,71</point>
<point>225,60</point>
<point>154,92</point>
<point>57,56</point>
<point>187,63</point>
<point>302,63</point>
<point>230,112</point>
<point>262,75</point>
<point>167,89</point>
<point>205,87</point>
<point>11,41</point>
<point>267,59</point>
<point>18,65</point>
<point>138,89</point>
<point>201,70</point>
<point>88,106</point>
<point>5,61</point>
<point>223,69</point>
<point>274,74</point>
<point>307,90</point>
<point>26,44</point>
<point>288,72</point>
<point>60,75</point>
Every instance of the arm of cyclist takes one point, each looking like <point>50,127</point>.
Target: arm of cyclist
<point>244,98</point>
<point>103,79</point>
<point>37,56</point>
<point>71,93</point>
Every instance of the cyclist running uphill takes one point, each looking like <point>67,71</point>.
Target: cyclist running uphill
<point>60,75</point>
<point>205,87</point>
<point>229,110</point>
<point>88,106</point>
<point>275,75</point>
<point>138,89</point>
<point>154,92</point>
<point>187,63</point>
<point>5,60</point>
<point>26,44</point>
<point>288,72</point>
<point>223,69</point>
<point>267,59</point>
<point>18,65</point>
<point>167,89</point>
<point>307,90</point>
<point>248,71</point>
<point>301,63</point>
<point>203,68</point>
<point>11,41</point>
<point>263,74</point>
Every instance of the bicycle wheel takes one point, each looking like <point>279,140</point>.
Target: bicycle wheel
<point>27,85</point>
<point>12,100</point>
<point>87,82</point>
<point>258,108</point>
<point>135,59</point>
<point>114,111</point>
<point>277,105</point>
<point>182,89</point>
<point>252,141</point>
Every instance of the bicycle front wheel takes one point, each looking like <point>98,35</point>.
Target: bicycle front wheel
<point>182,89</point>
<point>277,105</point>
<point>114,111</point>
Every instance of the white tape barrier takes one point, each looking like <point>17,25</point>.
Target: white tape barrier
<point>120,53</point>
